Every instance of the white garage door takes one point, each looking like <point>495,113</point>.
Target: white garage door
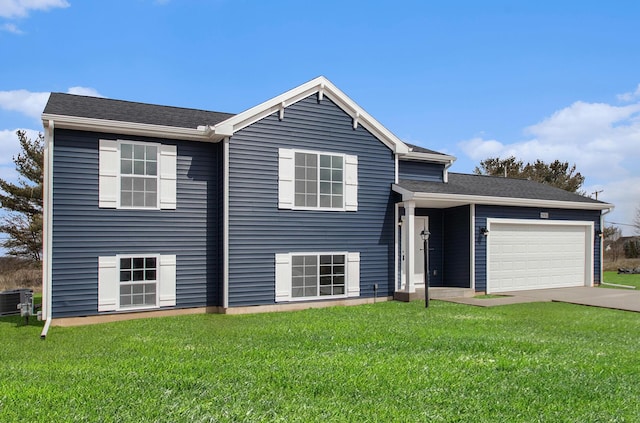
<point>538,255</point>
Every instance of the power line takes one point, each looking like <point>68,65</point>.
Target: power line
<point>623,224</point>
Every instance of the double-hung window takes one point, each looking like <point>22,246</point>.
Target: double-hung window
<point>304,276</point>
<point>137,175</point>
<point>136,281</point>
<point>319,180</point>
<point>310,180</point>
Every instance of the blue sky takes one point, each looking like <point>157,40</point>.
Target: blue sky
<point>536,79</point>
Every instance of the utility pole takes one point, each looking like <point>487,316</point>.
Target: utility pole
<point>596,193</point>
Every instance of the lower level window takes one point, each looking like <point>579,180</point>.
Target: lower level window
<point>317,275</point>
<point>138,281</point>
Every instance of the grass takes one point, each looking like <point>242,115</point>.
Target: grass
<point>621,279</point>
<point>382,362</point>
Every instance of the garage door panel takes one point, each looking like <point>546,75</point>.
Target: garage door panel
<point>535,256</point>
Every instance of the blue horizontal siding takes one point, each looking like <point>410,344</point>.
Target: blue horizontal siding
<point>457,248</point>
<point>258,229</point>
<point>420,171</point>
<point>484,212</point>
<point>82,231</point>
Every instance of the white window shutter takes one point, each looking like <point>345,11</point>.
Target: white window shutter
<point>108,283</point>
<point>168,164</point>
<point>108,168</point>
<point>351,183</point>
<point>167,283</point>
<point>286,171</point>
<point>283,277</point>
<point>353,274</point>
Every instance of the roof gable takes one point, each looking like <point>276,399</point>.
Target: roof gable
<point>322,87</point>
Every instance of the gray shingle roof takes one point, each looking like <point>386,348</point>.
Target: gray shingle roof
<point>418,149</point>
<point>492,186</point>
<point>127,111</point>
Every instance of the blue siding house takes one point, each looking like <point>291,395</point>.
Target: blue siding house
<point>302,201</point>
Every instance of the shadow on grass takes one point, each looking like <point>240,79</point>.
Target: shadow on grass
<point>19,321</point>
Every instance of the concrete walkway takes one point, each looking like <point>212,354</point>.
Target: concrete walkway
<point>619,299</point>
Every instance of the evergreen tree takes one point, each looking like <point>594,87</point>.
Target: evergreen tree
<point>557,174</point>
<point>22,201</point>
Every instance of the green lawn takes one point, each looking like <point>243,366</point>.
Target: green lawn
<point>622,279</point>
<point>382,362</point>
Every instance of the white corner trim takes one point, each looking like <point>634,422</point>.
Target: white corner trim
<point>472,259</point>
<point>47,264</point>
<point>323,87</point>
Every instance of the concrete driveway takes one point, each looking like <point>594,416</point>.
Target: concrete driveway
<point>619,299</point>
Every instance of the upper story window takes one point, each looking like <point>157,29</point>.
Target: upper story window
<point>137,175</point>
<point>309,180</point>
<point>319,180</point>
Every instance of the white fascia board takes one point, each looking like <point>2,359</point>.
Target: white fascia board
<point>320,84</point>
<point>497,201</point>
<point>131,128</point>
<point>429,157</point>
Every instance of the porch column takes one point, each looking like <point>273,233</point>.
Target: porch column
<point>410,211</point>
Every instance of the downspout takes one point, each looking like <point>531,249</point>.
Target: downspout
<point>225,225</point>
<point>445,172</point>
<point>604,212</point>
<point>47,227</point>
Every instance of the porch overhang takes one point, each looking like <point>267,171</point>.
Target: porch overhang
<point>442,201</point>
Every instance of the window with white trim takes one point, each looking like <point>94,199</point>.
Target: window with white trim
<point>137,175</point>
<point>317,275</point>
<point>310,180</point>
<point>136,281</point>
<point>303,276</point>
<point>319,180</point>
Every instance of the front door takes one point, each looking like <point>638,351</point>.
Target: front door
<point>421,223</point>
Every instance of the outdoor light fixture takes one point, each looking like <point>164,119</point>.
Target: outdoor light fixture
<point>425,248</point>
<point>484,231</point>
<point>599,233</point>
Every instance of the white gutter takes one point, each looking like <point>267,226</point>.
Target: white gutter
<point>408,195</point>
<point>431,157</point>
<point>604,212</point>
<point>202,133</point>
<point>47,226</point>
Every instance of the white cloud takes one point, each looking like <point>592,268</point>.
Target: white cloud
<point>601,139</point>
<point>91,92</point>
<point>23,101</point>
<point>21,8</point>
<point>478,148</point>
<point>9,27</point>
<point>32,103</point>
<point>630,96</point>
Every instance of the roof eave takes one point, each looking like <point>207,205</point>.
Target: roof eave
<point>408,195</point>
<point>130,128</point>
<point>321,86</point>
<point>428,157</point>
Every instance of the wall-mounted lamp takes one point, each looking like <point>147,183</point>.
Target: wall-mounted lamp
<point>484,231</point>
<point>599,233</point>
